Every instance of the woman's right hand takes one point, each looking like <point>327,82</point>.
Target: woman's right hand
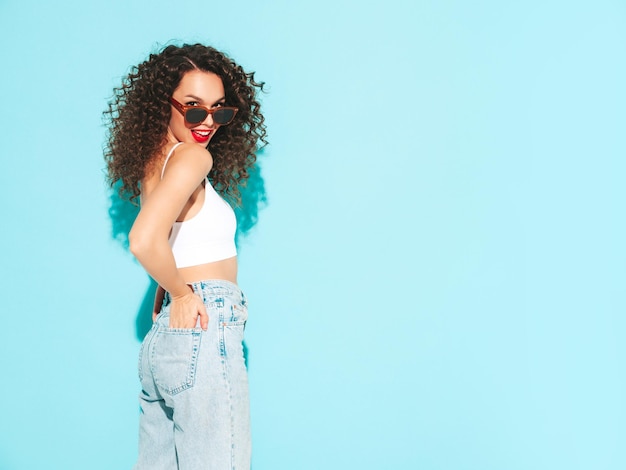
<point>185,310</point>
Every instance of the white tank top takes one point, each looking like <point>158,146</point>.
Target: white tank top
<point>209,235</point>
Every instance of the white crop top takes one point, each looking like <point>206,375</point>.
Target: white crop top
<point>207,236</point>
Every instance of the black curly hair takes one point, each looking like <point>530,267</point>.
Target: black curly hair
<point>139,112</point>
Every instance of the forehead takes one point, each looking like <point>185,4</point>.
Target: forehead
<point>197,83</point>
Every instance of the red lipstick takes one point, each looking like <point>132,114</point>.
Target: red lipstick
<point>201,136</point>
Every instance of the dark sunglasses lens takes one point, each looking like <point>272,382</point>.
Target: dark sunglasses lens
<point>195,116</point>
<point>223,116</point>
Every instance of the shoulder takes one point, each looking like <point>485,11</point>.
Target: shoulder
<point>188,158</point>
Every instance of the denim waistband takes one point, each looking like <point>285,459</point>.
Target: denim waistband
<point>212,287</point>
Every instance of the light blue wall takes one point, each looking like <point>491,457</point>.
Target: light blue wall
<point>437,281</point>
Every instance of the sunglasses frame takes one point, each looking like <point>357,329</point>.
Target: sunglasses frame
<point>182,109</point>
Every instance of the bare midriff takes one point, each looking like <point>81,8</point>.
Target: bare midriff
<point>225,269</point>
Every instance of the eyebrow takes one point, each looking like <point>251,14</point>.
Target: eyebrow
<point>194,97</point>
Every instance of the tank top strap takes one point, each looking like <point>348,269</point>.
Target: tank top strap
<point>168,158</point>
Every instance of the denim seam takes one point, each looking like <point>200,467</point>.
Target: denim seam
<point>229,394</point>
<point>224,359</point>
<point>140,362</point>
<point>145,350</point>
<point>220,329</point>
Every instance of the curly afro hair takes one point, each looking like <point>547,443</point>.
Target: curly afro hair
<point>139,112</point>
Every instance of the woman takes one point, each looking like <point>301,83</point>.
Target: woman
<point>183,132</point>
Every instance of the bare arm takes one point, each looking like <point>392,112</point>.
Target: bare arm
<point>148,237</point>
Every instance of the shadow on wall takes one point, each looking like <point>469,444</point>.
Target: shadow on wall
<point>123,214</point>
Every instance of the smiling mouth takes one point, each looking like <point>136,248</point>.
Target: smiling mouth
<point>201,136</point>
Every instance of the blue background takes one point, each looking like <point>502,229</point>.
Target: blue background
<point>436,280</point>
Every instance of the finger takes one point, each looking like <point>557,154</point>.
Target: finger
<point>204,318</point>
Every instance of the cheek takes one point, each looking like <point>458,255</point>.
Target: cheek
<point>177,124</point>
<point>175,121</point>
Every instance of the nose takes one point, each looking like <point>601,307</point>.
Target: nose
<point>209,120</point>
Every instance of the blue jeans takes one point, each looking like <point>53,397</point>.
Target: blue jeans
<point>194,398</point>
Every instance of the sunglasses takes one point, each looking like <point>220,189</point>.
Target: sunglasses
<point>194,115</point>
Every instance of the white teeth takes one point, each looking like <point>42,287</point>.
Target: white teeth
<point>203,133</point>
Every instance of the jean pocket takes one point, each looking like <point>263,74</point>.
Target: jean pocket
<point>174,358</point>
